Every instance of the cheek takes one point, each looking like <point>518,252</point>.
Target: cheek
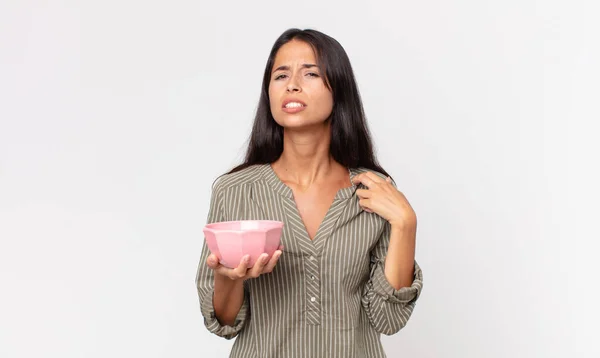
<point>326,103</point>
<point>270,93</point>
<point>330,101</point>
<point>272,99</point>
<point>274,104</point>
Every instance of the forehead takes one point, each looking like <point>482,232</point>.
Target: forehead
<point>295,52</point>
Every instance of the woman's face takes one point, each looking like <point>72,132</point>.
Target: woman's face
<point>297,92</point>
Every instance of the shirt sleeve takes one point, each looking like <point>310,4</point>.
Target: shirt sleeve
<point>205,282</point>
<point>388,309</point>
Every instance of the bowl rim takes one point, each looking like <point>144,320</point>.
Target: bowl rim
<point>210,227</point>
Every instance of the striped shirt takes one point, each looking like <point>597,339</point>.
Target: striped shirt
<point>326,297</point>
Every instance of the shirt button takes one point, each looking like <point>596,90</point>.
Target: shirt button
<point>313,299</point>
<point>311,257</point>
<point>312,277</point>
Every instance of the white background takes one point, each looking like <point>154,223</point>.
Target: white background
<point>116,116</point>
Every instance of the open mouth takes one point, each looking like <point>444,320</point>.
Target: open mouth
<point>294,105</point>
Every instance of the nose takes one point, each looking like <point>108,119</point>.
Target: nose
<point>292,85</point>
<point>293,88</point>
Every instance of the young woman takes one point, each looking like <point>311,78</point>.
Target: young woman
<point>346,271</point>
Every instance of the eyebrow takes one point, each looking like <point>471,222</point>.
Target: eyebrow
<point>287,68</point>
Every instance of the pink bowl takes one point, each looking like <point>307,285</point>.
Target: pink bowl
<point>232,240</point>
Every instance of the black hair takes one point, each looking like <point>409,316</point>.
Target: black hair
<point>351,143</point>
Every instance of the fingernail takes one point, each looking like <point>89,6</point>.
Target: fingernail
<point>246,258</point>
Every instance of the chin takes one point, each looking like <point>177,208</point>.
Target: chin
<point>297,121</point>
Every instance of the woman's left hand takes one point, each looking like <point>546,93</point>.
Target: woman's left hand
<point>385,200</point>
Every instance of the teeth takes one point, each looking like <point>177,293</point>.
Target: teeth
<point>293,105</point>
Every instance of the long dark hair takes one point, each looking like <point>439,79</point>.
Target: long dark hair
<point>351,144</point>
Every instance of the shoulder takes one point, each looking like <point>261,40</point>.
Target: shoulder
<point>245,176</point>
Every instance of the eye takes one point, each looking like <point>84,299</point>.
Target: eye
<point>312,74</point>
<point>279,77</point>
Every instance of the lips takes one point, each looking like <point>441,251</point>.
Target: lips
<point>292,110</point>
<point>292,100</point>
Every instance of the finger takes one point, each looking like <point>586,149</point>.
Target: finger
<point>368,179</point>
<point>356,179</point>
<point>390,181</point>
<point>272,262</point>
<point>365,204</point>
<point>242,269</point>
<point>362,179</point>
<point>213,261</point>
<point>258,267</point>
<point>225,272</point>
<point>367,209</point>
<point>374,177</point>
<point>363,193</point>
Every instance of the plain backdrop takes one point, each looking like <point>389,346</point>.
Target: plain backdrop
<point>116,117</point>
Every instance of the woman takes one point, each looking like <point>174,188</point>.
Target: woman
<point>346,270</point>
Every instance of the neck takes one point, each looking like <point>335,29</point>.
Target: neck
<point>306,158</point>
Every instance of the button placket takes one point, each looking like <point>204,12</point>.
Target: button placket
<point>313,290</point>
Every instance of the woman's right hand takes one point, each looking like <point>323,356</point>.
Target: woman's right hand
<point>228,296</point>
<point>262,266</point>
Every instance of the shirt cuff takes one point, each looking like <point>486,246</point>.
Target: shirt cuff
<point>382,286</point>
<point>214,326</point>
